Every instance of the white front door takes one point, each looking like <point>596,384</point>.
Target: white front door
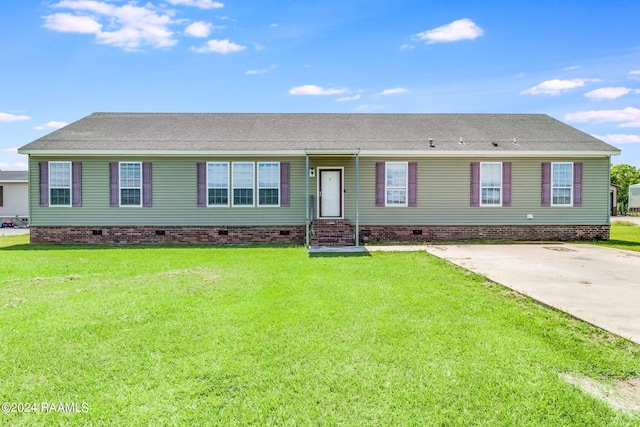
<point>330,193</point>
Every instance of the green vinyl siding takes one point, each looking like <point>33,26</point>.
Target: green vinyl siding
<point>443,193</point>
<point>174,190</point>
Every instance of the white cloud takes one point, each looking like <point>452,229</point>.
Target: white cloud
<point>349,98</point>
<point>219,46</point>
<point>13,150</point>
<point>393,91</point>
<point>274,25</point>
<point>573,67</point>
<point>88,5</point>
<point>407,46</point>
<point>18,166</point>
<point>369,107</point>
<point>619,138</point>
<point>128,26</point>
<point>556,86</point>
<point>199,29</point>
<point>462,29</point>
<point>608,93</point>
<point>635,74</point>
<point>8,118</point>
<point>51,125</point>
<point>262,70</point>
<point>315,90</point>
<point>627,117</point>
<point>67,23</point>
<point>202,4</point>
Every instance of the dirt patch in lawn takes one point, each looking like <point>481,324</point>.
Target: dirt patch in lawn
<point>619,394</point>
<point>205,273</point>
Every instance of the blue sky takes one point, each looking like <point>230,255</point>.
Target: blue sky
<point>575,60</point>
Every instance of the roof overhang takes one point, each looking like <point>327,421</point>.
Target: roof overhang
<point>327,152</point>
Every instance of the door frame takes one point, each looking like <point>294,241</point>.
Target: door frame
<point>318,189</point>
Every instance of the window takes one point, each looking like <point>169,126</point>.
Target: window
<point>59,183</point>
<point>396,183</point>
<point>218,184</point>
<point>130,184</point>
<point>561,184</point>
<point>243,181</point>
<point>268,184</point>
<point>223,184</point>
<point>491,184</point>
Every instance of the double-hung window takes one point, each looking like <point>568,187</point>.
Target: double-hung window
<point>243,183</point>
<point>131,184</point>
<point>269,184</point>
<point>396,178</point>
<point>218,183</point>
<point>59,183</point>
<point>491,184</point>
<point>562,184</point>
<point>225,184</point>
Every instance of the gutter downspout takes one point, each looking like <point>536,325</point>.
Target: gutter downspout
<point>609,207</point>
<point>306,199</point>
<point>358,198</point>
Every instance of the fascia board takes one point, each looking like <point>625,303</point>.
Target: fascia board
<point>564,153</point>
<point>163,152</point>
<point>369,153</point>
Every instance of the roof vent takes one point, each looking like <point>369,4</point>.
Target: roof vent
<point>495,144</point>
<point>461,141</point>
<point>515,141</point>
<point>431,144</point>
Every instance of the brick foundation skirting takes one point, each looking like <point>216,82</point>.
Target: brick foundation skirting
<point>296,234</point>
<point>172,234</point>
<point>431,233</point>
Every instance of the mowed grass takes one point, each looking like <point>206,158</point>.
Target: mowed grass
<point>624,235</point>
<point>185,335</point>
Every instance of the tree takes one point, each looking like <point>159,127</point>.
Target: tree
<point>623,176</point>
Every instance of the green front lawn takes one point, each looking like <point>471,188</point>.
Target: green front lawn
<point>624,235</point>
<point>186,335</point>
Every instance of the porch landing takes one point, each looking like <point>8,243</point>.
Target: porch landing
<point>336,249</point>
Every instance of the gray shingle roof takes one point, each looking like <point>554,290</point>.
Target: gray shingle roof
<point>20,176</point>
<point>282,131</point>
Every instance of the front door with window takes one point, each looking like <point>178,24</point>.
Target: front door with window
<point>330,193</point>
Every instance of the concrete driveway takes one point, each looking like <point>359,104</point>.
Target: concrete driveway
<point>598,285</point>
<point>13,231</point>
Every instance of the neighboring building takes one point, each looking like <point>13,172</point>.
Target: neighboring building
<point>14,197</point>
<point>634,198</point>
<point>317,178</point>
<point>613,197</point>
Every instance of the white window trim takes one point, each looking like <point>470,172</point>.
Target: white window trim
<point>229,190</point>
<point>267,188</point>
<point>70,188</point>
<point>492,205</point>
<point>562,205</point>
<point>120,187</point>
<point>253,183</point>
<point>406,187</point>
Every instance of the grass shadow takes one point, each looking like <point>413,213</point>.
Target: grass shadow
<point>339,254</point>
<point>620,244</point>
<point>142,246</point>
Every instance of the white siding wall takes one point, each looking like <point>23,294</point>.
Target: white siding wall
<point>15,199</point>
